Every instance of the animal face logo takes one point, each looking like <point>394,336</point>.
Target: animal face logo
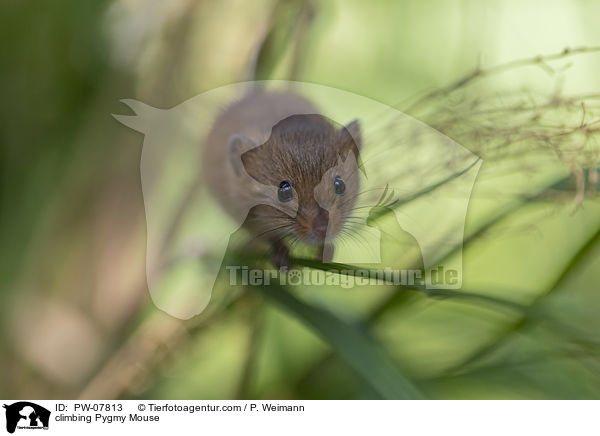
<point>391,188</point>
<point>26,415</point>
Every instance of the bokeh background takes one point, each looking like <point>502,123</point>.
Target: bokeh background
<point>75,315</point>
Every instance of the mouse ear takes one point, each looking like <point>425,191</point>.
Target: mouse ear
<point>238,145</point>
<point>351,139</point>
<point>353,129</point>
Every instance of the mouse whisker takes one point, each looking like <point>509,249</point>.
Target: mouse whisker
<point>360,239</point>
<point>355,220</point>
<point>261,217</point>
<point>361,207</point>
<point>293,242</point>
<point>285,226</point>
<point>355,196</point>
<point>352,236</point>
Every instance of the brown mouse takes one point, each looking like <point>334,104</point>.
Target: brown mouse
<point>285,171</point>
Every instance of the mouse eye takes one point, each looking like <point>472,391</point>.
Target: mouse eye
<point>285,192</point>
<point>338,185</point>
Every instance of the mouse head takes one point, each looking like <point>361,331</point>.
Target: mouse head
<point>311,162</point>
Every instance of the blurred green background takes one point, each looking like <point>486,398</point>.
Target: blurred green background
<point>76,319</point>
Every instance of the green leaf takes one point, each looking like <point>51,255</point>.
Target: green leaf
<point>353,345</point>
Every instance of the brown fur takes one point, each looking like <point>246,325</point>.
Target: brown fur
<point>292,143</point>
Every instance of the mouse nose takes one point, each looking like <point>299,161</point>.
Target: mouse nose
<point>320,223</point>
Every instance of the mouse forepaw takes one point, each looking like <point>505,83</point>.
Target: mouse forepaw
<point>280,256</point>
<point>326,253</point>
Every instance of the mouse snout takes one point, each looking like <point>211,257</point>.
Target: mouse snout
<point>320,223</point>
<point>312,223</point>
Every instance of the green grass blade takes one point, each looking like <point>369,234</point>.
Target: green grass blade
<point>353,345</point>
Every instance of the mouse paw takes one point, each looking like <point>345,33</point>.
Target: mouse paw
<point>280,256</point>
<point>326,253</point>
